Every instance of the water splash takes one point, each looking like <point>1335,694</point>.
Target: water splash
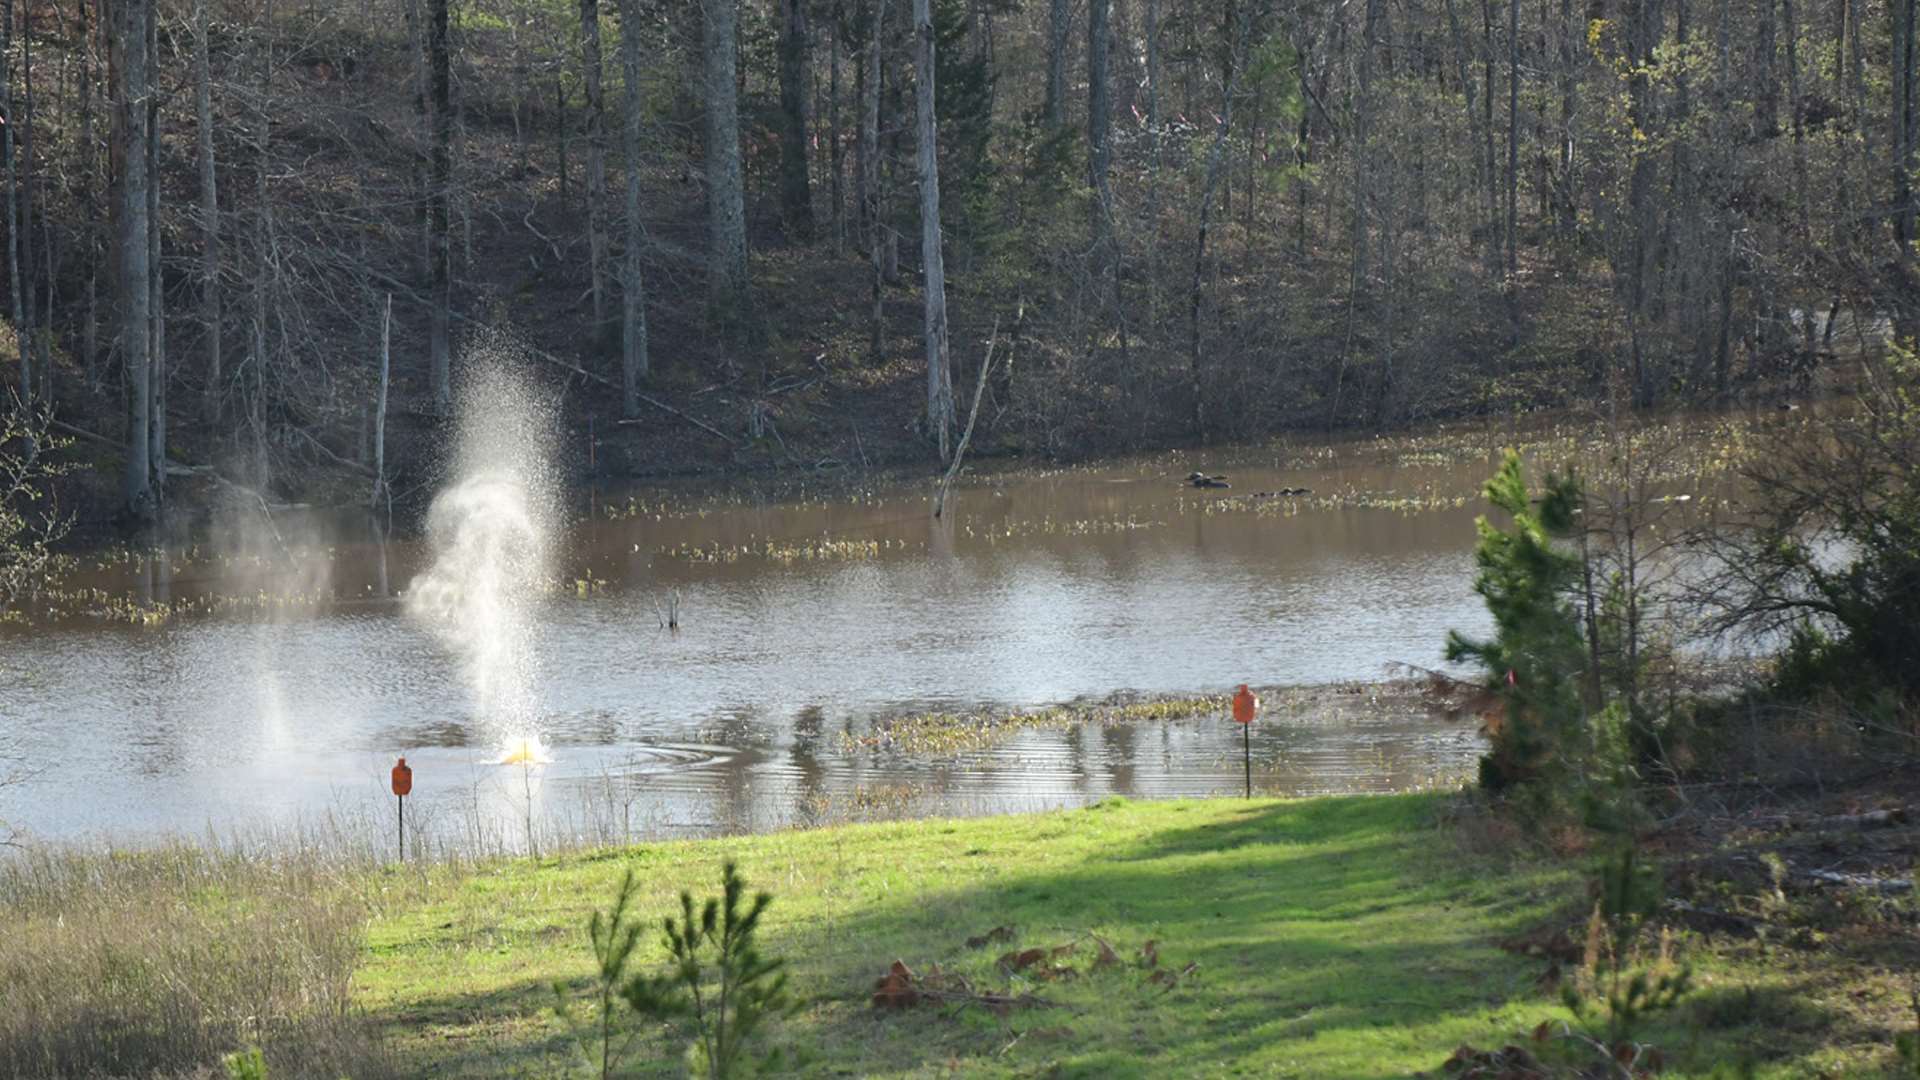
<point>528,750</point>
<point>492,537</point>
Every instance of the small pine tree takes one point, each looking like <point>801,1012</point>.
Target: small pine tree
<point>613,939</point>
<point>1611,989</point>
<point>722,1007</point>
<point>1536,656</point>
<point>248,1064</point>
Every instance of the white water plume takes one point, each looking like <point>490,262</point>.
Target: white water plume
<point>492,536</point>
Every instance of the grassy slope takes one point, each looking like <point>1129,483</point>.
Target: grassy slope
<point>1334,937</point>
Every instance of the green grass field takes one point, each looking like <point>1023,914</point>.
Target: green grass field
<point>1349,937</point>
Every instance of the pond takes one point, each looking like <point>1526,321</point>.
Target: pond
<point>262,680</point>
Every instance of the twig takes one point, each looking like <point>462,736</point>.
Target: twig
<point>333,457</point>
<point>62,425</point>
<point>973,414</point>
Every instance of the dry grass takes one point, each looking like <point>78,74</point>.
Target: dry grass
<point>142,963</point>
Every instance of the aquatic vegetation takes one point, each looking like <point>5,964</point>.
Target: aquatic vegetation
<point>946,733</point>
<point>1273,505</point>
<point>1049,526</point>
<point>825,549</point>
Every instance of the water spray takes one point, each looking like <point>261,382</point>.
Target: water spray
<point>492,533</point>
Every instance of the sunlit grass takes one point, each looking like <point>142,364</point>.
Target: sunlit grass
<point>1348,937</point>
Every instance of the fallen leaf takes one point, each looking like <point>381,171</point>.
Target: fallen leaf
<point>895,989</point>
<point>997,934</point>
<point>1020,961</point>
<point>1107,957</point>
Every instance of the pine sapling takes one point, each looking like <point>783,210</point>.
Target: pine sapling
<point>613,940</point>
<point>720,998</point>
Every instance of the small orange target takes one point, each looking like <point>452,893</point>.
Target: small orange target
<point>1245,705</point>
<point>402,778</point>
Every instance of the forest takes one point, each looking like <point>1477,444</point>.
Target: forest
<point>242,237</point>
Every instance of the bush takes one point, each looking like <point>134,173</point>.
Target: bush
<point>1827,554</point>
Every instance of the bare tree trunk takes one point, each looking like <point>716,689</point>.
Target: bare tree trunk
<point>209,215</point>
<point>1153,149</point>
<point>1802,193</point>
<point>36,333</point>
<point>939,378</point>
<point>1480,161</point>
<point>1513,135</point>
<point>1564,198</point>
<point>266,262</point>
<point>1766,102</point>
<point>129,39</point>
<point>22,340</point>
<point>634,361</point>
<point>380,407</point>
<point>1099,122</point>
<point>1362,150</point>
<point>440,74</point>
<point>156,280</point>
<point>84,196</point>
<point>796,196</point>
<point>1216,163</point>
<point>596,162</point>
<point>1904,49</point>
<point>838,154</point>
<point>1644,31</point>
<point>1058,22</point>
<point>1127,61</point>
<point>421,160</point>
<point>726,197</point>
<point>870,175</point>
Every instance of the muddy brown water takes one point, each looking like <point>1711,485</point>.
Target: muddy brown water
<point>802,624</point>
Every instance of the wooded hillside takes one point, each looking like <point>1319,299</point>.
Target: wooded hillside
<point>1190,219</point>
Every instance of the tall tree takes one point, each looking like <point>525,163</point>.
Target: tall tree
<point>878,234</point>
<point>1513,135</point>
<point>23,341</point>
<point>129,43</point>
<point>210,299</point>
<point>596,160</point>
<point>1645,26</point>
<point>156,283</point>
<point>1905,50</point>
<point>1099,123</point>
<point>1054,108</point>
<point>796,196</point>
<point>1482,162</point>
<point>726,194</point>
<point>933,264</point>
<point>838,151</point>
<point>1216,166</point>
<point>440,190</point>
<point>634,362</point>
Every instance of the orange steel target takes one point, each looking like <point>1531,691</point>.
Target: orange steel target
<point>1245,705</point>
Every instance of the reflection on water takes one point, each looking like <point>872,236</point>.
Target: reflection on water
<point>799,621</point>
